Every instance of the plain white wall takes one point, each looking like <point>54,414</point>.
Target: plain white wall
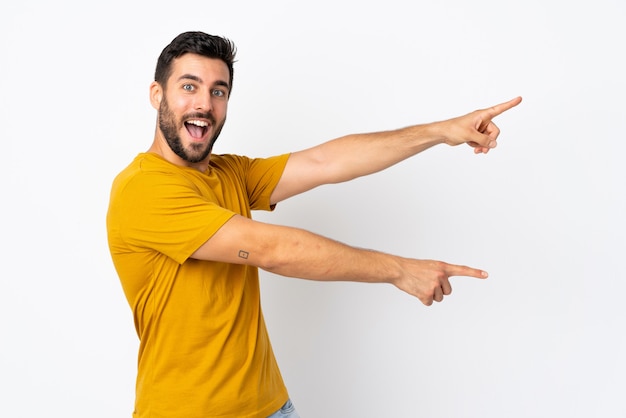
<point>542,337</point>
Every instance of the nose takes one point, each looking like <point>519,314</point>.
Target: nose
<point>203,101</point>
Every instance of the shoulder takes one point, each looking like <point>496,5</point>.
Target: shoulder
<point>225,161</point>
<point>148,173</point>
<point>242,162</point>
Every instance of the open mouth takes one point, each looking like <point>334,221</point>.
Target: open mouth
<point>197,128</point>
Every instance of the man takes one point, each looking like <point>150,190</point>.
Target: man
<point>187,251</point>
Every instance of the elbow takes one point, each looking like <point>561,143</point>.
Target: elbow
<point>267,258</point>
<point>280,259</point>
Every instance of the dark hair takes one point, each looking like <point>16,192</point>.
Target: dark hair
<point>200,43</point>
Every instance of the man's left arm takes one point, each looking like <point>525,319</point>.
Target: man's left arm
<point>357,155</point>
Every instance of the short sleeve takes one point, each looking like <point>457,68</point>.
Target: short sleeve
<point>166,213</point>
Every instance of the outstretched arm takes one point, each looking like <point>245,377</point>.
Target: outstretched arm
<point>357,155</point>
<point>298,253</point>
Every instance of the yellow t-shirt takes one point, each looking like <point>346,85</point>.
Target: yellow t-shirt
<point>204,349</point>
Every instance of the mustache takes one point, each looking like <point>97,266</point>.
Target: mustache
<point>200,115</point>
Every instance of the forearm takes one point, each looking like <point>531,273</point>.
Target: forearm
<point>302,254</point>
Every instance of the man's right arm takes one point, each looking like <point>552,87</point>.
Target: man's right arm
<point>294,252</point>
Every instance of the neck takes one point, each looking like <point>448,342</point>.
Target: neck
<point>160,147</point>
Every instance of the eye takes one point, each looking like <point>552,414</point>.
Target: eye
<point>219,93</point>
<point>188,87</point>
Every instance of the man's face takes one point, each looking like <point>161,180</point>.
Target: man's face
<point>193,108</point>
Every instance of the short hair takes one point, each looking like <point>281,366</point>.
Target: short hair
<point>210,46</point>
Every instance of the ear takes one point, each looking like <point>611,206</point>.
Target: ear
<point>156,95</point>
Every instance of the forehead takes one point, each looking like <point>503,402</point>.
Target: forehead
<point>208,70</point>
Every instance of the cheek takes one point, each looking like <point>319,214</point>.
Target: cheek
<point>179,105</point>
<point>221,110</point>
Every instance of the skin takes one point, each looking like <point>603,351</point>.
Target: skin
<point>198,89</point>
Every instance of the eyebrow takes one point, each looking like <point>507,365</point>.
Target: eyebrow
<point>199,80</point>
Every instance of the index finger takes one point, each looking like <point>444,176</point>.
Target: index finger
<point>456,270</point>
<point>494,111</point>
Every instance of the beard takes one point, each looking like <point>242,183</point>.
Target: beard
<point>195,153</point>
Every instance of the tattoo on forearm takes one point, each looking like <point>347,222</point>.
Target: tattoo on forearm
<point>243,254</point>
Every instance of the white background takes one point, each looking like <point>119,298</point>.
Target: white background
<point>542,337</point>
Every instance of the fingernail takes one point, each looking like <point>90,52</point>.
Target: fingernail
<point>485,274</point>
